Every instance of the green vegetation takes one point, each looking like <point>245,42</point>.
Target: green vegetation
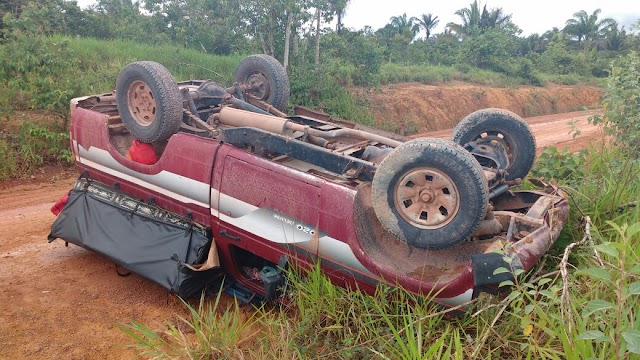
<point>589,312</point>
<point>622,104</point>
<point>47,58</point>
<point>579,303</point>
<point>30,148</point>
<point>595,317</point>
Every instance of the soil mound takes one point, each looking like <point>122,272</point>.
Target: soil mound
<point>411,108</point>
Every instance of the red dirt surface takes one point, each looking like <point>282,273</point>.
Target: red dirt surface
<point>62,302</point>
<point>553,130</point>
<point>416,108</point>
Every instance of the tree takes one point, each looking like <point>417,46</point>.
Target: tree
<point>587,28</point>
<point>474,21</point>
<point>12,7</point>
<point>324,11</point>
<point>615,39</point>
<point>427,22</point>
<point>470,20</point>
<point>494,18</point>
<point>339,8</point>
<point>403,25</point>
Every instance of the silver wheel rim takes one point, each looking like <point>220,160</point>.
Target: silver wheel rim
<point>426,198</point>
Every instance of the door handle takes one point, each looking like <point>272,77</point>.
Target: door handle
<point>230,236</point>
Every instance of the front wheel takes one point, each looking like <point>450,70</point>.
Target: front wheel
<point>266,79</point>
<point>430,193</point>
<point>498,127</point>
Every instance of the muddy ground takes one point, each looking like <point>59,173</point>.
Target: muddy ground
<point>60,302</point>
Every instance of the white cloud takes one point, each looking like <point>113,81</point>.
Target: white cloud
<point>535,16</point>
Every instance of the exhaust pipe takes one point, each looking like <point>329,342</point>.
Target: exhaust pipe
<point>239,118</point>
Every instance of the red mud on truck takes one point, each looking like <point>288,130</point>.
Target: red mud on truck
<point>239,188</point>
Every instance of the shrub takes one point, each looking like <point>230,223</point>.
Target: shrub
<point>37,145</point>
<point>557,59</point>
<point>36,73</point>
<point>8,165</point>
<point>560,165</point>
<point>621,102</point>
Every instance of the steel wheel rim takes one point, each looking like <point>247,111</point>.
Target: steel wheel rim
<point>426,198</point>
<point>142,103</point>
<point>259,85</point>
<point>495,137</point>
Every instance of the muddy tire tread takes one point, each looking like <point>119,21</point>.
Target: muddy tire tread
<point>448,157</point>
<point>167,96</point>
<point>280,87</point>
<point>503,120</point>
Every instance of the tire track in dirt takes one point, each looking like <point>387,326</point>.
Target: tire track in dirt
<point>62,302</point>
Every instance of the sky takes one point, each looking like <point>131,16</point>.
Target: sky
<point>532,16</point>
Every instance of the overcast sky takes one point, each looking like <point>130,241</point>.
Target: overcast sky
<point>532,16</point>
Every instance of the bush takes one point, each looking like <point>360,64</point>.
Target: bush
<point>557,59</point>
<point>621,102</point>
<point>320,88</point>
<point>8,165</point>
<point>37,145</point>
<point>357,50</point>
<point>32,146</point>
<point>527,72</point>
<point>560,165</point>
<point>490,50</point>
<point>36,73</point>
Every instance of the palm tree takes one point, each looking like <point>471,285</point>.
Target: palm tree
<point>426,22</point>
<point>615,39</point>
<point>403,24</point>
<point>494,18</point>
<point>475,21</point>
<point>585,27</point>
<point>470,20</point>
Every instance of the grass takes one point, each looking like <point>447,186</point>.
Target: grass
<point>102,60</point>
<point>600,318</point>
<point>597,318</point>
<point>432,74</point>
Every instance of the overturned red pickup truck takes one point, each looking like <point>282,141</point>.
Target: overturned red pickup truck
<point>234,185</point>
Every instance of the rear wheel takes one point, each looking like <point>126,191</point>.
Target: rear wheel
<point>429,193</point>
<point>493,127</point>
<point>267,79</point>
<point>149,101</point>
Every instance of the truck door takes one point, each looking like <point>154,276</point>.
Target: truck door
<point>260,207</point>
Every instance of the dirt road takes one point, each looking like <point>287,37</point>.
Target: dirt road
<point>553,130</point>
<point>60,302</point>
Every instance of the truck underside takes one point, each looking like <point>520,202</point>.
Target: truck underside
<point>240,185</point>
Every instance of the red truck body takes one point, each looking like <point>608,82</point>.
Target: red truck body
<point>268,209</point>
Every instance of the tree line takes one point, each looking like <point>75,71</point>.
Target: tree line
<point>297,32</point>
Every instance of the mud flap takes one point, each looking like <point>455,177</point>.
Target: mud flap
<point>140,237</point>
<point>484,267</point>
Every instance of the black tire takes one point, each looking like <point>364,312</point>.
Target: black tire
<point>149,101</point>
<point>268,78</point>
<point>508,128</point>
<point>419,179</point>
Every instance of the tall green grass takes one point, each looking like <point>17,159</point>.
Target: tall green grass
<point>101,61</point>
<point>600,319</point>
<point>432,74</point>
